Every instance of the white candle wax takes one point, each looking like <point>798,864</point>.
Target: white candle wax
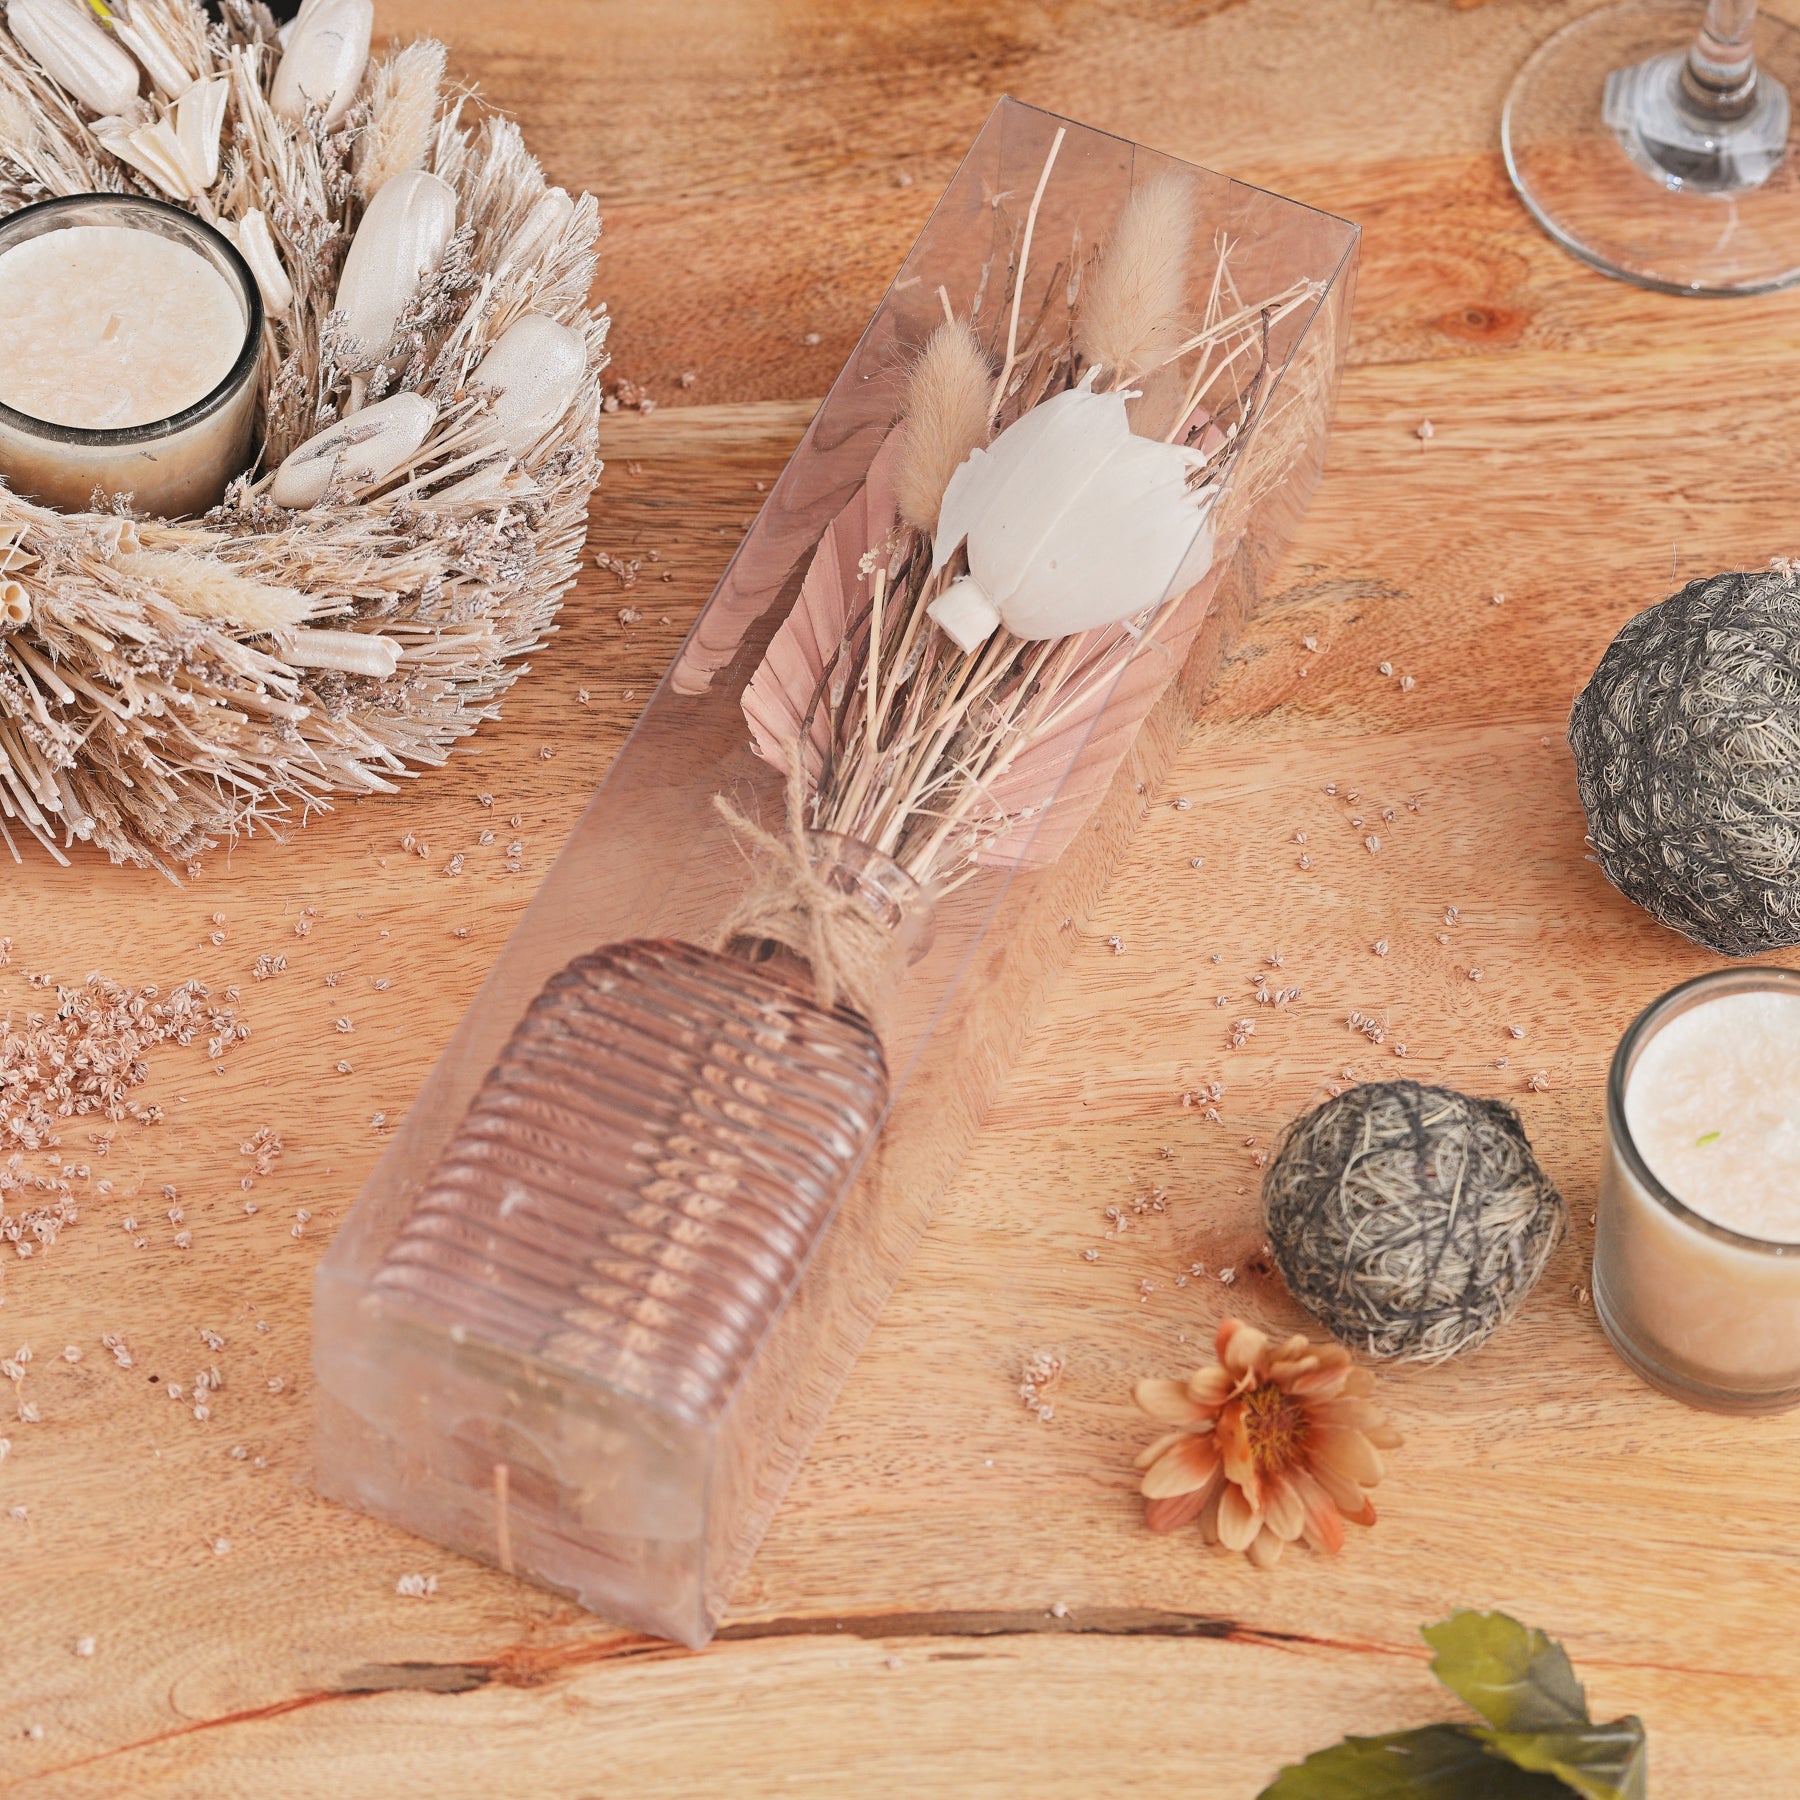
<point>1710,1116</point>
<point>1714,1106</point>
<point>103,326</point>
<point>127,355</point>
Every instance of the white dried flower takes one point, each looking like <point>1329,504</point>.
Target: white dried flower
<point>66,42</point>
<point>401,239</point>
<point>322,62</point>
<point>360,450</point>
<point>533,372</point>
<point>1071,522</point>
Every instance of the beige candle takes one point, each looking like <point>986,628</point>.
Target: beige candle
<point>1697,1257</point>
<point>127,355</point>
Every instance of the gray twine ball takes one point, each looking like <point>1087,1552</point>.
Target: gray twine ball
<point>1687,752</point>
<point>1411,1220</point>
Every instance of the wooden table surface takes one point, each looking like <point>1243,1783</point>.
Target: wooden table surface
<point>956,1597</point>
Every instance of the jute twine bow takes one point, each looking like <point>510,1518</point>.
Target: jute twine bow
<point>843,940</point>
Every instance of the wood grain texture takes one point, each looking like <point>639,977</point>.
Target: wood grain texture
<point>957,1598</point>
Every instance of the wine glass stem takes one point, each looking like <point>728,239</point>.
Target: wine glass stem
<point>1718,81</point>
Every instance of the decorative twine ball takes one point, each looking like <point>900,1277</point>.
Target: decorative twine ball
<point>1412,1221</point>
<point>1687,751</point>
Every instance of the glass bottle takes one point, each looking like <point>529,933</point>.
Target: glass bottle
<point>587,1319</point>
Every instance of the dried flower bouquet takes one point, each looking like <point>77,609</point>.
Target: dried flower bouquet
<point>985,626</point>
<point>340,621</point>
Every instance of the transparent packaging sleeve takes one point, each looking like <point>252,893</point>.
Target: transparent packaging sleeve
<point>581,1461</point>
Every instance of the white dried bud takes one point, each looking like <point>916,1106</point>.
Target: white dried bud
<point>533,372</point>
<point>257,247</point>
<point>323,58</point>
<point>168,75</point>
<point>66,42</point>
<point>543,225</point>
<point>364,447</point>
<point>352,652</point>
<point>401,239</point>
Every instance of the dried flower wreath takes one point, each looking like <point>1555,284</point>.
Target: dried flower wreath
<point>361,596</point>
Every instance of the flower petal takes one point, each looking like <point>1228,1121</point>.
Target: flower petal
<point>1360,1382</point>
<point>1180,1469</point>
<point>1339,1489</point>
<point>1286,1369</point>
<point>1349,1452</point>
<point>1209,1513</point>
<point>1319,1384</point>
<point>1324,1529</point>
<point>1167,1401</point>
<point>1147,1456</point>
<point>1283,1512</point>
<point>1211,1386</point>
<point>1241,1346</point>
<point>1346,1411</point>
<point>1265,1549</point>
<point>1239,1521</point>
<point>1234,1447</point>
<point>1174,1511</point>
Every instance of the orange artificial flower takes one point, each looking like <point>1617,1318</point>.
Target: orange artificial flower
<point>1272,1443</point>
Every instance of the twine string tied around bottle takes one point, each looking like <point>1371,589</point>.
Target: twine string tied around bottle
<point>843,940</point>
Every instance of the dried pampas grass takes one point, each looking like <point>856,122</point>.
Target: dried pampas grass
<point>949,402</point>
<point>205,588</point>
<point>166,684</point>
<point>1132,315</point>
<point>403,109</point>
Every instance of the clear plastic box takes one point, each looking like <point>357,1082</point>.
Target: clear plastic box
<point>574,1445</point>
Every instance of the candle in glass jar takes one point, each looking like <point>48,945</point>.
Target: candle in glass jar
<point>102,326</point>
<point>1714,1105</point>
<point>128,339</point>
<point>1697,1252</point>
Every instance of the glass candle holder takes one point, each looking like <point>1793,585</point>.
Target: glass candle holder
<point>141,335</point>
<point>1701,1309</point>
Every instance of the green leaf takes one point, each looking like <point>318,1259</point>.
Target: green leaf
<point>1516,1678</point>
<point>1437,1762</point>
<point>1600,1762</point>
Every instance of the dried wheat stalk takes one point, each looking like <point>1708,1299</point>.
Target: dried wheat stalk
<point>151,700</point>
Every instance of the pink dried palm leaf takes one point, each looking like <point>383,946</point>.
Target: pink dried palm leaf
<point>1061,775</point>
<point>791,685</point>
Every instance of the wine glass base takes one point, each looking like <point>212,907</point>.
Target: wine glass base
<point>1621,178</point>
